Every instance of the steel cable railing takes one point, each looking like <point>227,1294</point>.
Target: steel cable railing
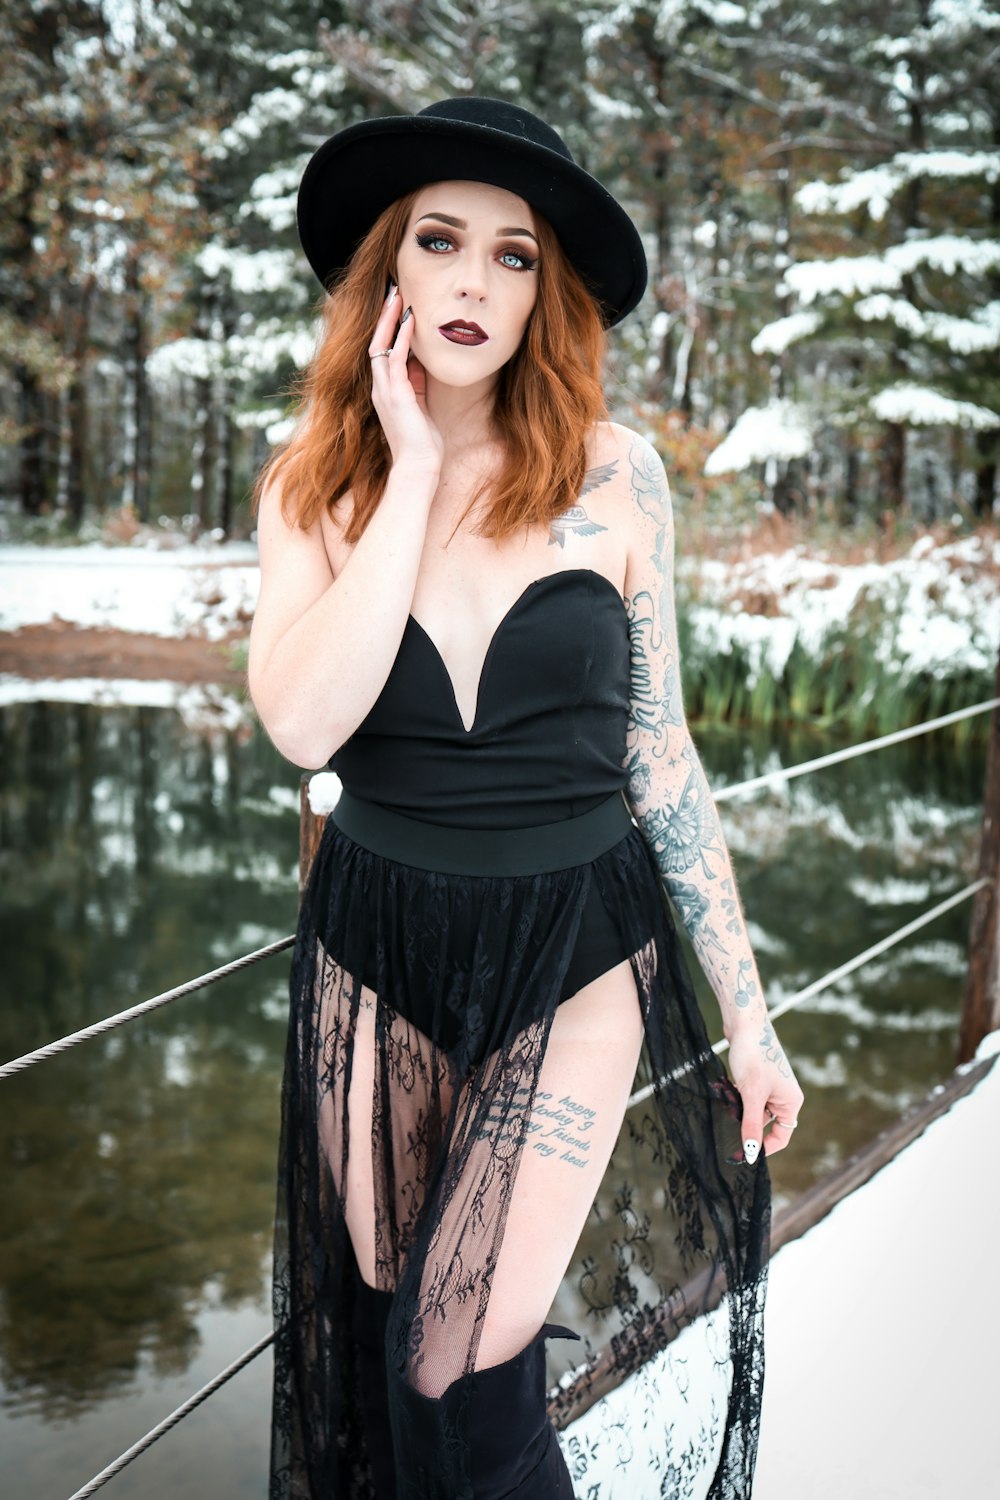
<point>51,1049</point>
<point>818,985</point>
<point>175,1416</point>
<point>772,778</point>
<point>752,783</point>
<point>785,773</point>
<point>812,989</point>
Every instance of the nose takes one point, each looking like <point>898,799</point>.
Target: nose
<point>471,279</point>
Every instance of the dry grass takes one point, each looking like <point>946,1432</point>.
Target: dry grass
<point>742,538</point>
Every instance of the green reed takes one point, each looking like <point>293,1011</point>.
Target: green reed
<point>851,683</point>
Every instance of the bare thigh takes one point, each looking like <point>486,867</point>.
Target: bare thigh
<point>584,1085</point>
<point>420,1088</point>
<point>359,1189</point>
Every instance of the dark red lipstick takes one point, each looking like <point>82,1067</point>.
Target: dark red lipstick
<point>460,332</point>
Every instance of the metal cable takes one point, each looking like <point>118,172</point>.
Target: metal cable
<point>175,1416</point>
<point>785,773</point>
<point>637,1098</point>
<point>827,979</point>
<point>770,778</point>
<point>642,1094</point>
<point>50,1050</point>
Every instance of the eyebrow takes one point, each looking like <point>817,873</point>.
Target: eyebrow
<point>461,224</point>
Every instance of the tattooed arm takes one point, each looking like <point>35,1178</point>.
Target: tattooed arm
<point>669,793</point>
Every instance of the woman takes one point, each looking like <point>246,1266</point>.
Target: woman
<point>466,609</point>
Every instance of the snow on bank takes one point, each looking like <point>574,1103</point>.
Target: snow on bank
<point>940,606</point>
<point>936,609</point>
<point>873,1387</point>
<point>178,591</point>
<point>200,707</point>
<point>858,1344</point>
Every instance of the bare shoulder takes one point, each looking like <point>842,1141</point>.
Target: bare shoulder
<point>286,549</point>
<point>280,534</point>
<point>643,468</point>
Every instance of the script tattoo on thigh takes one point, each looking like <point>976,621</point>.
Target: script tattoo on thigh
<point>560,1128</point>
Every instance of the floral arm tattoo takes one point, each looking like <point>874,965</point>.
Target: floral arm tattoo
<point>667,787</point>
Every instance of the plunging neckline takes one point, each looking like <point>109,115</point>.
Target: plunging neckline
<point>470,729</point>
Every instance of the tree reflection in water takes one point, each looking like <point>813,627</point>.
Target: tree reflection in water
<point>139,1166</point>
<point>138,1169</point>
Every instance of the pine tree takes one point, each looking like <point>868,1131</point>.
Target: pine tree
<point>909,327</point>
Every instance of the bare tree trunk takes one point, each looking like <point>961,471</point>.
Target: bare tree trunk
<point>986,442</point>
<point>108,464</point>
<point>227,427</point>
<point>132,488</point>
<point>25,308</point>
<point>204,416</point>
<point>143,405</point>
<point>783,253</point>
<point>135,397</point>
<point>77,402</point>
<point>986,474</point>
<point>892,468</point>
<point>852,469</point>
<point>31,419</point>
<point>892,450</point>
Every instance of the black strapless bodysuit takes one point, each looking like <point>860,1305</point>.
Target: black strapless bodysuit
<point>547,742</point>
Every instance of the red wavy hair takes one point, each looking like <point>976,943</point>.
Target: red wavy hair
<point>548,397</point>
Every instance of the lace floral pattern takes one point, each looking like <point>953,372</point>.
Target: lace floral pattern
<point>451,1051</point>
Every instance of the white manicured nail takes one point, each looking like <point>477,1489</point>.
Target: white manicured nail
<point>750,1150</point>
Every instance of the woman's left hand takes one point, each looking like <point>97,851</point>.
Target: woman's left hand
<point>768,1089</point>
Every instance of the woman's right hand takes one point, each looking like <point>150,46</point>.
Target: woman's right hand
<point>399,387</point>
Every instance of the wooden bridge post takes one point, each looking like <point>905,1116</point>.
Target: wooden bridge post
<point>981,996</point>
<point>311,827</point>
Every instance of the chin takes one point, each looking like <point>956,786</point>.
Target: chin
<point>460,367</point>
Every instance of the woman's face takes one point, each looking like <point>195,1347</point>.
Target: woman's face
<point>468,267</point>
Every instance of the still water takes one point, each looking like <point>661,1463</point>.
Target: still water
<point>138,1168</point>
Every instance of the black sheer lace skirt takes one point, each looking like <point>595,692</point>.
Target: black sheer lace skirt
<point>433,994</point>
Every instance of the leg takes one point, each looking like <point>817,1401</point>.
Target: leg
<point>359,1183</point>
<point>351,1111</point>
<point>586,1073</point>
<point>368,1324</point>
<point>586,1077</point>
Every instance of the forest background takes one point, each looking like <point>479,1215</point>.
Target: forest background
<point>818,186</point>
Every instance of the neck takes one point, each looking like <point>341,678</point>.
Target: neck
<point>462,414</point>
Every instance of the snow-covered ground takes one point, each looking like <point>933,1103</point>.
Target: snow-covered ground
<point>881,1331</point>
<point>200,705</point>
<point>174,591</point>
<point>937,607</point>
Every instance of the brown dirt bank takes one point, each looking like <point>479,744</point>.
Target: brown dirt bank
<point>60,650</point>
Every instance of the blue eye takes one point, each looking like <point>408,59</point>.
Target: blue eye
<point>430,241</point>
<point>517,260</point>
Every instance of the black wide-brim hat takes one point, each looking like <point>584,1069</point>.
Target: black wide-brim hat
<point>361,170</point>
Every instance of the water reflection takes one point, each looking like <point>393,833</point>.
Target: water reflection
<point>138,1169</point>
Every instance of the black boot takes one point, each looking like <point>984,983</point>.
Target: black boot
<point>513,1444</point>
<point>368,1323</point>
<point>488,1437</point>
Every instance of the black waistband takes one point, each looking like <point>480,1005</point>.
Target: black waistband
<point>483,851</point>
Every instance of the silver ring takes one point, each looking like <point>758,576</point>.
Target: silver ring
<point>786,1124</point>
<point>381,354</point>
